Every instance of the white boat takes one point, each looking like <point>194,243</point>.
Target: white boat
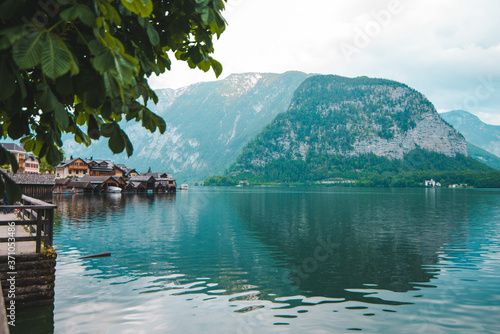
<point>112,189</point>
<point>184,186</point>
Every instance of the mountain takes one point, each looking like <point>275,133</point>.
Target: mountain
<point>478,133</point>
<point>207,125</point>
<point>340,127</point>
<point>483,156</point>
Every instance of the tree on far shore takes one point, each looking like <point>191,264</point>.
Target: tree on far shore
<point>68,64</point>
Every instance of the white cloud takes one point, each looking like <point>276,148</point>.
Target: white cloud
<point>442,48</point>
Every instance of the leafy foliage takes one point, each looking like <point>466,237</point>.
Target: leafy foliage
<point>66,64</point>
<point>7,185</point>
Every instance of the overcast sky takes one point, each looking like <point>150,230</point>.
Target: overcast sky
<point>447,49</point>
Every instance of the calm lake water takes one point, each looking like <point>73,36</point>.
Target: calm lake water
<point>278,260</point>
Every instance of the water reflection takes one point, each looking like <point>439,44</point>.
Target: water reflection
<point>302,257</point>
<point>285,242</point>
<point>350,239</point>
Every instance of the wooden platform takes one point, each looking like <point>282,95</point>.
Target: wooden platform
<point>27,260</point>
<point>22,247</point>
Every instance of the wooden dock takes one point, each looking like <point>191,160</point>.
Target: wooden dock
<point>27,260</point>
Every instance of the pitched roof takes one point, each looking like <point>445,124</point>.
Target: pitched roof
<point>141,178</point>
<point>31,156</point>
<point>95,179</point>
<point>78,184</point>
<point>125,169</point>
<point>136,185</point>
<point>12,147</point>
<point>68,161</point>
<point>101,179</point>
<point>62,181</point>
<point>29,178</point>
<point>159,176</point>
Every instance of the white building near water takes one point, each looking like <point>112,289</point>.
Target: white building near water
<point>432,183</point>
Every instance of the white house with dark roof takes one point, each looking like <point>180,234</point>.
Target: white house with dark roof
<point>72,167</point>
<point>18,152</point>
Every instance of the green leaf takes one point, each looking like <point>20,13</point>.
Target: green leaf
<point>125,70</point>
<point>195,55</point>
<point>81,137</point>
<point>13,162</point>
<point>47,101</point>
<point>61,116</point>
<point>8,80</point>
<point>17,127</point>
<point>141,7</point>
<point>128,145</point>
<point>27,51</point>
<point>116,142</point>
<point>12,35</point>
<point>93,128</point>
<point>64,85</point>
<point>12,189</point>
<point>160,122</point>
<point>8,158</point>
<point>104,61</point>
<point>207,15</point>
<point>217,67</point>
<point>45,98</point>
<point>8,8</point>
<point>96,94</point>
<point>154,38</point>
<point>28,144</point>
<point>82,12</point>
<point>108,129</point>
<point>106,110</point>
<point>54,156</point>
<point>111,86</point>
<point>56,57</point>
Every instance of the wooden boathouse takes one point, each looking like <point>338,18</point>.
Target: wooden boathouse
<point>35,185</point>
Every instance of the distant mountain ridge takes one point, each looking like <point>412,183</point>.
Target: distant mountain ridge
<point>207,124</point>
<point>478,133</point>
<point>483,156</point>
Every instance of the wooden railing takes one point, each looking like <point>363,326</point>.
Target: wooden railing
<point>37,215</point>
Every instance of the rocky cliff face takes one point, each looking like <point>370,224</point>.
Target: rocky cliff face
<point>429,133</point>
<point>207,124</point>
<point>335,115</point>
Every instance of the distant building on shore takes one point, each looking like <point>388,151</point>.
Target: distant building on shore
<point>433,184</point>
<point>28,163</point>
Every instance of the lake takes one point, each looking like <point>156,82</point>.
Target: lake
<point>277,260</point>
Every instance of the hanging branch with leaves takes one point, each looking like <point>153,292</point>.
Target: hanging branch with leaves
<point>72,64</point>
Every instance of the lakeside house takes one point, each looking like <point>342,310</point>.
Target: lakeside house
<point>78,175</point>
<point>128,171</point>
<point>28,163</point>
<point>78,167</point>
<point>433,184</point>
